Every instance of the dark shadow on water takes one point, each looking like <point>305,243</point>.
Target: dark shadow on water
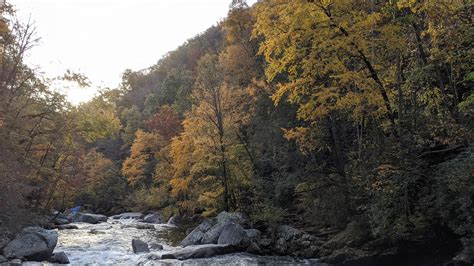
<point>172,236</point>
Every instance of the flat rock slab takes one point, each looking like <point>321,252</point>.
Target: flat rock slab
<point>128,215</point>
<point>201,251</point>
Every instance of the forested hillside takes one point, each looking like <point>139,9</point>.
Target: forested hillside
<point>310,113</point>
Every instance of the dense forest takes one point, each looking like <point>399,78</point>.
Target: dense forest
<point>309,113</point>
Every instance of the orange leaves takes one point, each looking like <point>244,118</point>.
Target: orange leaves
<point>138,167</point>
<point>165,122</point>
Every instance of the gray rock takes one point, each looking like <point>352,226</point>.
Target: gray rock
<point>3,259</point>
<point>253,234</point>
<point>266,242</point>
<point>463,257</point>
<point>153,257</point>
<point>173,220</point>
<point>67,227</point>
<point>287,232</point>
<point>253,248</point>
<point>189,230</point>
<point>96,232</point>
<point>89,218</point>
<point>59,215</point>
<point>138,226</point>
<point>232,217</point>
<point>5,236</point>
<point>139,246</point>
<point>61,221</point>
<point>232,234</point>
<point>153,218</point>
<point>355,234</point>
<point>156,246</point>
<point>291,241</point>
<point>212,235</point>
<point>15,262</point>
<point>33,243</point>
<point>128,215</point>
<point>194,238</point>
<point>60,258</point>
<point>201,251</point>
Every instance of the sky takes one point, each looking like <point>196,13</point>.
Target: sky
<point>102,38</point>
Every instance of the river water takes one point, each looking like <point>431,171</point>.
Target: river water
<point>111,244</point>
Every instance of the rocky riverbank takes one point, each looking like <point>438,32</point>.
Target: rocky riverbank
<point>227,233</point>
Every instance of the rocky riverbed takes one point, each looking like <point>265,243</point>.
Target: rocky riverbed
<point>110,242</point>
<point>228,239</point>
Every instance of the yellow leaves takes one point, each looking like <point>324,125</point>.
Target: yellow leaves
<point>97,120</point>
<point>96,167</point>
<point>180,186</point>
<point>143,151</point>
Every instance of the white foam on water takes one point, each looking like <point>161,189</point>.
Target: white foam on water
<point>111,244</point>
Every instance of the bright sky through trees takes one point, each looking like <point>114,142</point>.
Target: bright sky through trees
<point>101,38</point>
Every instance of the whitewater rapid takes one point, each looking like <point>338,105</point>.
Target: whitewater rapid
<point>110,243</point>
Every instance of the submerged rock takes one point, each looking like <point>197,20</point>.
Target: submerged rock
<point>33,243</point>
<point>89,218</point>
<point>138,226</point>
<point>128,215</point>
<point>67,227</point>
<point>96,232</point>
<point>201,251</point>
<point>60,258</point>
<point>139,246</point>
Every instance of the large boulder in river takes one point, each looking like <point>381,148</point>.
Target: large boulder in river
<point>209,231</point>
<point>212,235</point>
<point>233,234</point>
<point>139,246</point>
<point>59,258</point>
<point>88,218</point>
<point>59,218</point>
<point>202,251</point>
<point>195,237</point>
<point>153,218</point>
<point>33,243</point>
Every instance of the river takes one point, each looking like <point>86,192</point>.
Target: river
<point>110,244</point>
